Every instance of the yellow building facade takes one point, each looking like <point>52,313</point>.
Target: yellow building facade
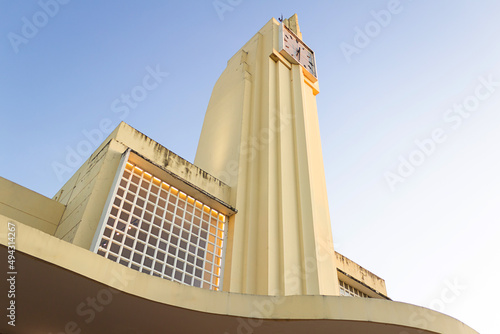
<point>140,240</point>
<point>261,136</point>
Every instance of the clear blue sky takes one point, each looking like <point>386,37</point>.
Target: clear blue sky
<point>428,73</point>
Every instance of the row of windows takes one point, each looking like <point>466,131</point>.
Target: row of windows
<point>194,209</point>
<point>166,231</point>
<point>153,189</point>
<point>145,220</point>
<point>115,240</point>
<point>157,229</point>
<point>349,291</point>
<point>164,266</point>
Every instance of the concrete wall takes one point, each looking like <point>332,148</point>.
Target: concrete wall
<point>357,274</point>
<point>261,136</point>
<point>164,158</point>
<point>86,192</point>
<point>29,207</point>
<point>85,195</point>
<point>35,210</point>
<point>68,275</point>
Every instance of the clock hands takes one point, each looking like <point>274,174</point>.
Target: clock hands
<point>298,49</point>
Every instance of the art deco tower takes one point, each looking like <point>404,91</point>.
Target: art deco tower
<point>140,240</point>
<point>261,136</point>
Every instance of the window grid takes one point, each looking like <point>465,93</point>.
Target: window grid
<point>157,229</point>
<point>349,291</point>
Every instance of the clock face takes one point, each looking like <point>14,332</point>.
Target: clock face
<point>297,52</point>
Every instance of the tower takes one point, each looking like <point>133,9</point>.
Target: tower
<point>154,243</point>
<point>261,137</point>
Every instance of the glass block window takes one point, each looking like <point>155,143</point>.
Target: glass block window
<point>157,229</point>
<point>349,291</point>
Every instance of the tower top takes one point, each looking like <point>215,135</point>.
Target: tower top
<point>292,23</point>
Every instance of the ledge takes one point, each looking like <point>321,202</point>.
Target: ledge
<point>66,279</point>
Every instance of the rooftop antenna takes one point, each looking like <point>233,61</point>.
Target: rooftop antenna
<point>281,18</point>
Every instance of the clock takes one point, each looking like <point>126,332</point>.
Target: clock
<point>297,52</point>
